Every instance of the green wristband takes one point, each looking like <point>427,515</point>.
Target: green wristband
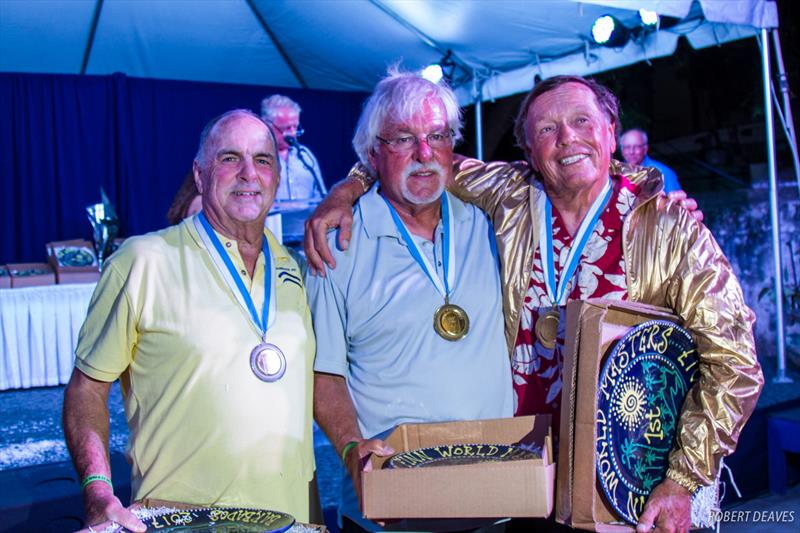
<point>347,447</point>
<point>96,477</point>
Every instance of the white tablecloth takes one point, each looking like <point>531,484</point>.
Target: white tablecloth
<point>39,328</point>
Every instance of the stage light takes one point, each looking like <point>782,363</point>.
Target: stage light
<point>433,73</point>
<point>609,31</point>
<point>444,69</point>
<point>649,18</point>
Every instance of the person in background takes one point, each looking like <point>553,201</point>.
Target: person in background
<point>207,327</point>
<point>302,177</point>
<point>187,201</point>
<point>634,147</point>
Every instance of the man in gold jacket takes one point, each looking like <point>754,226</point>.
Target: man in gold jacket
<point>642,247</point>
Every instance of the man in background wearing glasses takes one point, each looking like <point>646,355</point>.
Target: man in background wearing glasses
<point>634,149</point>
<point>302,178</point>
<point>409,323</point>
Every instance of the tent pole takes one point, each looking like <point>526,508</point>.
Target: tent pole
<point>477,89</point>
<point>98,7</point>
<point>781,376</point>
<point>783,83</point>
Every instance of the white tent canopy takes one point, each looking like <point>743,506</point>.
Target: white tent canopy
<point>347,44</point>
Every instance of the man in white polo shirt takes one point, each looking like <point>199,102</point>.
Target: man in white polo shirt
<point>206,325</point>
<point>409,323</point>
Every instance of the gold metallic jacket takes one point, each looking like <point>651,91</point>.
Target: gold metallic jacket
<point>671,261</point>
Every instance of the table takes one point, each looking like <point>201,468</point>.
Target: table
<point>783,438</point>
<point>38,333</point>
<point>39,329</point>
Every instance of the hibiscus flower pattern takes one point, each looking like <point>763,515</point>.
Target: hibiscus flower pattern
<point>536,370</point>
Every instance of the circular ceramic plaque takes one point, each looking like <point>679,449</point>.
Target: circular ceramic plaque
<point>74,257</point>
<point>639,399</point>
<point>462,454</point>
<point>219,520</point>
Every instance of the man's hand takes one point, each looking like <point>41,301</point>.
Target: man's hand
<point>102,508</point>
<point>669,509</point>
<point>682,199</point>
<point>332,213</point>
<point>335,211</point>
<point>357,461</point>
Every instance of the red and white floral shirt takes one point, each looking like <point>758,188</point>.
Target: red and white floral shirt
<point>536,370</point>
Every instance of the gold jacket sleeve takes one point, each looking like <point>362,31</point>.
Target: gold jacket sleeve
<point>488,185</point>
<point>674,261</point>
<point>503,191</point>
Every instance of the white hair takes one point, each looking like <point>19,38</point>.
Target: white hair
<point>271,104</point>
<point>398,97</point>
<point>637,130</point>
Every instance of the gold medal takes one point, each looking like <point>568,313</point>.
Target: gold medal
<point>451,322</point>
<point>546,328</point>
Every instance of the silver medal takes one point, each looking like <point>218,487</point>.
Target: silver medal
<point>268,362</point>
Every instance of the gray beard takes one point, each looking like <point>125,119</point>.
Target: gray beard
<point>427,199</point>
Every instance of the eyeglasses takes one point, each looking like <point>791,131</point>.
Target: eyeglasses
<point>298,132</point>
<point>633,146</point>
<point>406,143</point>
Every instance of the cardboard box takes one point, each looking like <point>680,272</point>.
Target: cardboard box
<point>5,278</point>
<point>521,488</point>
<point>593,327</point>
<point>73,261</point>
<point>31,275</point>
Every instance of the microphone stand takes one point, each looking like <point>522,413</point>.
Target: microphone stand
<point>303,155</point>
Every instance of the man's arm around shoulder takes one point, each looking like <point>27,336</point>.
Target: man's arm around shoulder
<point>488,184</point>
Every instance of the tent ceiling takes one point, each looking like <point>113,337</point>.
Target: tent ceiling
<point>346,44</point>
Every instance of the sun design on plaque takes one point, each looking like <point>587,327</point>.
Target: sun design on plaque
<point>629,404</point>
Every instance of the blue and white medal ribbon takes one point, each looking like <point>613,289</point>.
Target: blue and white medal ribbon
<point>267,361</point>
<point>546,327</point>
<point>450,321</point>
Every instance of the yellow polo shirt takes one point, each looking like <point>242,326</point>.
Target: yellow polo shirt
<point>203,428</point>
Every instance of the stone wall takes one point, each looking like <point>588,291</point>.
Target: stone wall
<point>740,221</point>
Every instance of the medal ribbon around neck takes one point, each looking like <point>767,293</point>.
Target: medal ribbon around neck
<point>559,295</point>
<point>448,252</point>
<point>234,281</point>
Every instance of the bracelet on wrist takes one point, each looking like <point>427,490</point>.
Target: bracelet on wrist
<point>683,480</point>
<point>347,447</point>
<point>96,477</point>
<point>365,180</point>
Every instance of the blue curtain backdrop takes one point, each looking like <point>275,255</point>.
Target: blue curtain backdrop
<point>62,137</point>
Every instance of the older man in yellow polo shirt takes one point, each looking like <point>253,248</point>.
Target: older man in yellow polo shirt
<point>207,327</point>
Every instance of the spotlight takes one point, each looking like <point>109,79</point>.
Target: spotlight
<point>649,18</point>
<point>433,73</point>
<point>444,69</point>
<point>609,31</point>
